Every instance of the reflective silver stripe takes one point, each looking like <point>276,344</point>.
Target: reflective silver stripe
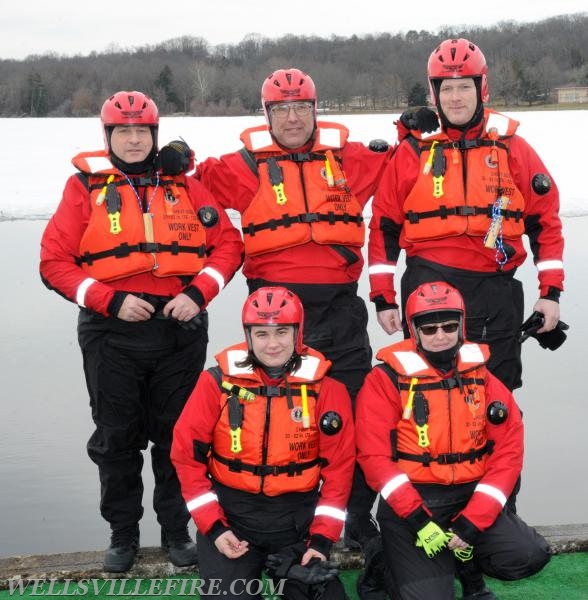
<point>393,485</point>
<point>490,490</point>
<point>379,269</point>
<point>215,275</point>
<point>547,265</point>
<point>330,511</point>
<point>81,291</point>
<point>201,501</point>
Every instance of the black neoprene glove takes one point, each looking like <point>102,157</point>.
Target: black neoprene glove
<point>317,571</point>
<point>424,119</point>
<point>175,158</point>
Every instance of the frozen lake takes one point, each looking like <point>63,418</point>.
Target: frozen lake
<point>49,488</point>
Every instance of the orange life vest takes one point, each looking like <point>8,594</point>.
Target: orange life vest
<point>260,443</point>
<point>302,196</point>
<point>453,196</point>
<point>441,437</point>
<point>121,240</point>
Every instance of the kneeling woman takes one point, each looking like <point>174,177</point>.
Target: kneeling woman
<point>261,433</point>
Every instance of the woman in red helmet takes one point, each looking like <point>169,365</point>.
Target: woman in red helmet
<point>260,434</point>
<point>142,255</point>
<point>441,439</point>
<point>301,186</point>
<point>458,202</point>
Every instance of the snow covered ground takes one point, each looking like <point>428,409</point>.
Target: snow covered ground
<point>35,154</point>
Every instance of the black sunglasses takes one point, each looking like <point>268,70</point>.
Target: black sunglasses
<point>432,329</point>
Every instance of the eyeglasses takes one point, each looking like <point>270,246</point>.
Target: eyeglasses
<point>281,111</point>
<point>432,329</point>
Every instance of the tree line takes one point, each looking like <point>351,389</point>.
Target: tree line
<point>187,75</point>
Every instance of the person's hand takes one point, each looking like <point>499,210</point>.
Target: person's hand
<point>228,544</point>
<point>424,119</point>
<point>310,554</point>
<point>550,311</point>
<point>181,308</point>
<point>389,320</point>
<point>432,539</point>
<point>135,309</point>
<point>175,158</point>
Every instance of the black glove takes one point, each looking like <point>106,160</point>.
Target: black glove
<point>424,119</point>
<point>175,158</point>
<point>549,339</point>
<point>317,571</point>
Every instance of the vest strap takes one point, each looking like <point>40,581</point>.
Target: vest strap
<point>444,384</point>
<point>288,220</point>
<point>291,469</point>
<point>449,458</point>
<point>124,250</point>
<point>463,211</point>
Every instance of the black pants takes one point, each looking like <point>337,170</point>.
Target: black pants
<point>335,323</point>
<point>494,311</point>
<point>139,376</point>
<point>239,578</point>
<point>509,550</point>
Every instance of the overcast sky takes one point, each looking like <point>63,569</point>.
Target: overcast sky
<point>70,27</point>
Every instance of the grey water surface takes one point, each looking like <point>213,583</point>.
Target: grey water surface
<point>49,491</point>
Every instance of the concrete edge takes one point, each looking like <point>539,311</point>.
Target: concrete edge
<point>153,563</point>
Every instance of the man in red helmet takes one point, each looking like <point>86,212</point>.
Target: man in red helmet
<point>301,187</point>
<point>260,434</point>
<point>142,255</point>
<point>458,201</point>
<point>441,439</point>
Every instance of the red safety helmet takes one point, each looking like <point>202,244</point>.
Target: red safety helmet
<point>287,85</point>
<point>274,306</point>
<point>440,302</point>
<point>456,59</point>
<point>129,108</point>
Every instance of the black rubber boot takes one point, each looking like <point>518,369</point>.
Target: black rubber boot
<point>472,582</point>
<point>180,548</point>
<point>120,555</point>
<point>371,583</point>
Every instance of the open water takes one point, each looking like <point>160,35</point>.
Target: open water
<point>49,489</point>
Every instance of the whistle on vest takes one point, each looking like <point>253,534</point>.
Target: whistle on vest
<point>113,205</point>
<point>276,176</point>
<point>421,417</point>
<point>495,229</point>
